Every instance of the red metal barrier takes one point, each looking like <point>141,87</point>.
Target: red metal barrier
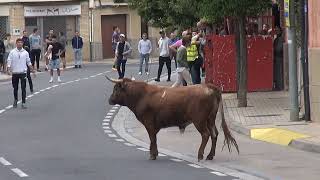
<point>221,69</point>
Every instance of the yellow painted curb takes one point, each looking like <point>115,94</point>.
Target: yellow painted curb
<point>276,135</point>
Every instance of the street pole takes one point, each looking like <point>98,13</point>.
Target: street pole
<point>293,77</point>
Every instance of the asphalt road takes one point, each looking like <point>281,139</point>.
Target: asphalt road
<point>60,135</point>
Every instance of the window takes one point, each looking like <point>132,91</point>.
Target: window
<point>31,21</point>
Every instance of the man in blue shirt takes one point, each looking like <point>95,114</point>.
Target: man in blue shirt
<point>77,44</point>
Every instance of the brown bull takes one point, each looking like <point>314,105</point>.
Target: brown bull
<point>161,107</point>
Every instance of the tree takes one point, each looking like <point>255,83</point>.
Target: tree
<point>215,10</point>
<point>166,13</point>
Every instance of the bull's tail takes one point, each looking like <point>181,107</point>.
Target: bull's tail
<point>229,139</point>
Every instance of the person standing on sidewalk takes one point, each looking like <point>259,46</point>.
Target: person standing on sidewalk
<point>194,61</point>
<point>182,63</point>
<point>164,57</point>
<point>77,44</point>
<point>18,61</point>
<point>114,40</point>
<point>9,46</point>
<point>123,50</point>
<point>63,42</point>
<point>173,54</point>
<point>26,46</point>
<point>56,50</point>
<point>35,44</point>
<point>48,42</point>
<point>2,52</point>
<point>144,48</point>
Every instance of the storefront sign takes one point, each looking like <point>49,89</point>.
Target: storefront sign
<point>287,12</point>
<point>63,10</point>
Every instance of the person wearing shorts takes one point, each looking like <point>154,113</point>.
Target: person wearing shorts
<point>54,63</point>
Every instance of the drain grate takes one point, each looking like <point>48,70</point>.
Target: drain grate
<point>264,115</point>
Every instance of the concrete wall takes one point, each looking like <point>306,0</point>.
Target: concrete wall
<point>314,58</point>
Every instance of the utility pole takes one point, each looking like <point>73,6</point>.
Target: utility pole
<point>293,77</point>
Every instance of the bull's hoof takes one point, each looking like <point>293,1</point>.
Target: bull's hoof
<point>152,157</point>
<point>200,157</point>
<point>210,157</point>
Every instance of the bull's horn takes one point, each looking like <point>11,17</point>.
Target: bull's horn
<point>114,80</point>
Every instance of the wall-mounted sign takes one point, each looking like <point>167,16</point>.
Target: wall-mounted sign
<point>63,10</point>
<point>287,12</point>
<point>16,32</point>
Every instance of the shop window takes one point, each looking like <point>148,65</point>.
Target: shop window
<point>3,26</point>
<point>31,21</point>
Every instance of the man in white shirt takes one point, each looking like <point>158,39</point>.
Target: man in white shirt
<point>18,60</point>
<point>164,55</point>
<point>144,48</point>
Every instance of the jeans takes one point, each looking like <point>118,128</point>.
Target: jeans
<point>77,56</point>
<point>29,79</point>
<point>195,71</point>
<point>35,57</point>
<point>183,76</point>
<point>163,60</point>
<point>15,84</point>
<point>144,57</point>
<point>121,67</point>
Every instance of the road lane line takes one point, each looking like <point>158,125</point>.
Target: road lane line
<point>112,135</point>
<point>112,110</point>
<point>115,107</point>
<point>55,86</point>
<point>2,111</point>
<point>176,160</point>
<point>120,140</point>
<point>9,107</point>
<point>106,120</point>
<point>195,166</point>
<point>110,114</point>
<point>162,155</point>
<point>19,172</point>
<point>105,124</point>
<point>108,117</point>
<point>4,162</point>
<point>143,149</point>
<point>36,93</point>
<point>218,173</point>
<point>105,127</point>
<point>107,131</point>
<point>129,144</point>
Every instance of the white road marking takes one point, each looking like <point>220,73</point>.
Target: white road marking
<point>106,120</point>
<point>108,117</point>
<point>1,111</point>
<point>99,74</point>
<point>19,172</point>
<point>48,88</point>
<point>4,162</point>
<point>176,160</point>
<point>92,76</point>
<point>105,124</point>
<point>63,83</point>
<point>105,127</point>
<point>9,107</point>
<point>55,86</point>
<point>129,144</point>
<point>110,114</point>
<point>36,93</point>
<point>218,173</point>
<point>30,96</point>
<point>195,166</point>
<point>107,131</point>
<point>112,135</point>
<point>77,80</point>
<point>85,78</point>
<point>143,149</point>
<point>42,90</point>
<point>162,155</point>
<point>112,110</point>
<point>120,140</point>
<point>115,107</point>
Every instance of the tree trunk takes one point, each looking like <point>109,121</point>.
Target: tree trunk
<point>237,42</point>
<point>242,91</point>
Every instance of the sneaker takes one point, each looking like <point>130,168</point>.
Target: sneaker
<point>59,80</point>
<point>140,73</point>
<point>15,104</point>
<point>23,106</point>
<point>79,66</point>
<point>76,66</point>
<point>51,80</point>
<point>168,80</point>
<point>147,73</point>
<point>158,80</point>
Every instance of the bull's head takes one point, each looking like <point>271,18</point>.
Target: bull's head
<point>119,93</point>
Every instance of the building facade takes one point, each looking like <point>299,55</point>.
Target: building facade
<point>314,58</point>
<point>94,20</point>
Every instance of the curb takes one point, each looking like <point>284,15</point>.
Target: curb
<point>301,144</point>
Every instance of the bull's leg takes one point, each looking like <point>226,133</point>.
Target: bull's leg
<point>205,137</point>
<point>214,136</point>
<point>153,144</point>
